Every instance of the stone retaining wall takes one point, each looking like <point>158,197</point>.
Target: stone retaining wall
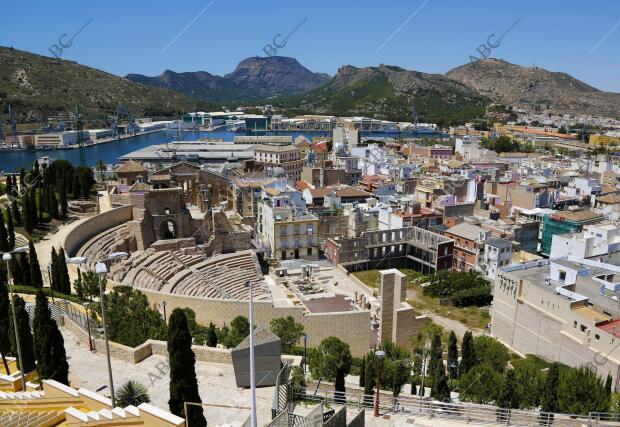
<point>148,348</point>
<point>93,226</point>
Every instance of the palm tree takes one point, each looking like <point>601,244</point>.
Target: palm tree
<point>132,393</point>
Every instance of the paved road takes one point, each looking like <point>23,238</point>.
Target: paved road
<point>216,382</point>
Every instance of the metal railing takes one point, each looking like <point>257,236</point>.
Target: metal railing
<point>469,413</point>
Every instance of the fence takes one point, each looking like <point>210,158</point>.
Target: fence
<point>462,412</point>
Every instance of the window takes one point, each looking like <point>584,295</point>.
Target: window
<point>583,328</point>
<point>597,337</point>
<point>575,324</point>
<point>562,276</point>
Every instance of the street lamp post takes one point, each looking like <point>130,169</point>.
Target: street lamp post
<point>7,258</point>
<point>49,278</point>
<point>378,355</point>
<point>163,304</point>
<point>248,284</point>
<point>305,352</point>
<point>101,269</point>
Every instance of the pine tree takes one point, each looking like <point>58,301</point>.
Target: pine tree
<point>35,270</point>
<point>4,236</point>
<point>10,228</point>
<point>63,273</point>
<point>15,210</point>
<point>468,353</point>
<point>453,356</point>
<point>5,342</point>
<point>49,346</point>
<point>25,336</point>
<point>183,382</point>
<point>24,267</point>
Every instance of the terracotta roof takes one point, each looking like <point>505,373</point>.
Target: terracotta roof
<point>302,185</point>
<point>140,186</point>
<point>131,166</point>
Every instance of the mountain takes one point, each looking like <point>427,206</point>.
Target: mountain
<point>253,78</point>
<point>37,86</point>
<point>388,92</point>
<point>535,89</point>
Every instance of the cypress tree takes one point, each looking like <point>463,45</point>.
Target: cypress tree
<point>54,264</point>
<point>24,267</point>
<point>506,398</point>
<point>212,336</point>
<point>9,185</point>
<point>453,356</point>
<point>4,236</point>
<point>608,382</point>
<point>183,382</point>
<point>15,210</point>
<point>53,204</point>
<point>36,277</point>
<point>49,345</point>
<point>63,273</point>
<point>75,188</point>
<point>64,208</point>
<point>363,372</point>
<point>41,208</point>
<point>14,268</point>
<point>549,402</point>
<point>10,228</point>
<point>33,205</point>
<point>436,360</point>
<point>440,390</point>
<point>468,353</point>
<point>5,342</point>
<point>28,224</point>
<point>25,336</point>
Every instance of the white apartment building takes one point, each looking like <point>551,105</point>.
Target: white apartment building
<point>594,240</point>
<point>497,254</point>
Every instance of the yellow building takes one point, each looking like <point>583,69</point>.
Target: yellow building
<point>598,140</point>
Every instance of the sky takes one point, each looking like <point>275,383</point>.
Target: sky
<point>147,37</point>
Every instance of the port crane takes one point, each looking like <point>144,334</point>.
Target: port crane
<point>122,111</point>
<point>13,126</point>
<point>414,114</point>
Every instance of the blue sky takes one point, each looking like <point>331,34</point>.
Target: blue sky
<point>577,37</point>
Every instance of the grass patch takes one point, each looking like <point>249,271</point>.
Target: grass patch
<point>472,317</point>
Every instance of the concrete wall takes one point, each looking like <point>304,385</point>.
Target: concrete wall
<point>93,226</point>
<point>148,348</point>
<point>352,327</point>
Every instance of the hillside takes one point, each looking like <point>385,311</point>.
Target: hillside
<point>38,86</point>
<point>535,89</point>
<point>388,92</point>
<point>253,78</point>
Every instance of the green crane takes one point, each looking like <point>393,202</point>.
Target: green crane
<point>79,126</point>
